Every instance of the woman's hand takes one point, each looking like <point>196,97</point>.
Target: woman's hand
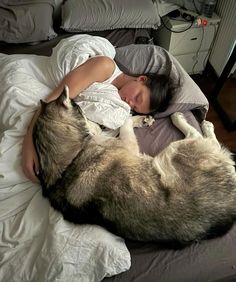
<point>30,161</point>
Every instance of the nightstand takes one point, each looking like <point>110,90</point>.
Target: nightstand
<point>190,42</point>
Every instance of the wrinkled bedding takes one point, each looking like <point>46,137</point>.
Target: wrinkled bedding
<point>36,244</point>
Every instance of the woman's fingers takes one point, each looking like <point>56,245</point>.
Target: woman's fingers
<point>36,167</point>
<point>30,161</point>
<point>29,171</point>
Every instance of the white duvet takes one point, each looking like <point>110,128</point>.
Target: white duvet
<point>36,243</point>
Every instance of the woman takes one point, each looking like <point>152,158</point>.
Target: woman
<point>144,94</point>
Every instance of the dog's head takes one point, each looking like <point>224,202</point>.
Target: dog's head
<point>59,134</point>
<point>61,109</point>
<point>62,116</point>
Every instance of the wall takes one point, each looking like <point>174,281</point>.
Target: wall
<point>226,35</point>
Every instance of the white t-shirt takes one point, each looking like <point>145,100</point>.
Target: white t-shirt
<point>101,103</point>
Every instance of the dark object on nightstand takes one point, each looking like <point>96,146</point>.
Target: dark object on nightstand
<point>174,14</point>
<point>142,40</point>
<point>208,7</point>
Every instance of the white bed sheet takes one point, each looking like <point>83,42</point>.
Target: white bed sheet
<point>36,243</point>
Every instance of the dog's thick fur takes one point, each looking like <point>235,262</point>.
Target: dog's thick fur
<point>186,193</point>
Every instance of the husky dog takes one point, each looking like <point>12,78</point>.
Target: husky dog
<point>186,193</point>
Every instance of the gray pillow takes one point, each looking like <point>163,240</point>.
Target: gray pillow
<point>90,15</point>
<point>143,58</point>
<point>26,21</point>
<point>189,99</point>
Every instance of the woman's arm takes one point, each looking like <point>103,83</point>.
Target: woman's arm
<point>96,69</point>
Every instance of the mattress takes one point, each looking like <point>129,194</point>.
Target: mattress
<point>212,260</point>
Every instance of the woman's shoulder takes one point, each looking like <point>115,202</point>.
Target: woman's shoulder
<point>114,75</point>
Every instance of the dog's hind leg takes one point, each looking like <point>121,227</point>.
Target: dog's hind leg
<point>127,136</point>
<point>181,123</point>
<point>208,131</point>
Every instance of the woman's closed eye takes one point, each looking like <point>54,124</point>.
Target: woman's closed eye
<point>141,102</point>
<point>138,99</point>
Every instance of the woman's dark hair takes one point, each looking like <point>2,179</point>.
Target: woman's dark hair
<point>162,86</point>
<point>162,90</point>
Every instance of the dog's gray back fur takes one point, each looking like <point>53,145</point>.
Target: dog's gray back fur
<point>186,193</point>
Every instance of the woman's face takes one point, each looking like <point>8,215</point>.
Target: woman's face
<point>136,94</point>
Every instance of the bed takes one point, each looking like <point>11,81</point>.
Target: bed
<point>36,243</point>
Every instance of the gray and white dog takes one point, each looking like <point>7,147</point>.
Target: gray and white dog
<point>186,193</point>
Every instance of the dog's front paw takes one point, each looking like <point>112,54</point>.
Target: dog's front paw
<point>142,121</point>
<point>207,125</point>
<point>207,128</point>
<point>149,120</point>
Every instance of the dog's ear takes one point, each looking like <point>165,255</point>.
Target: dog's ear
<point>43,104</point>
<point>64,98</point>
